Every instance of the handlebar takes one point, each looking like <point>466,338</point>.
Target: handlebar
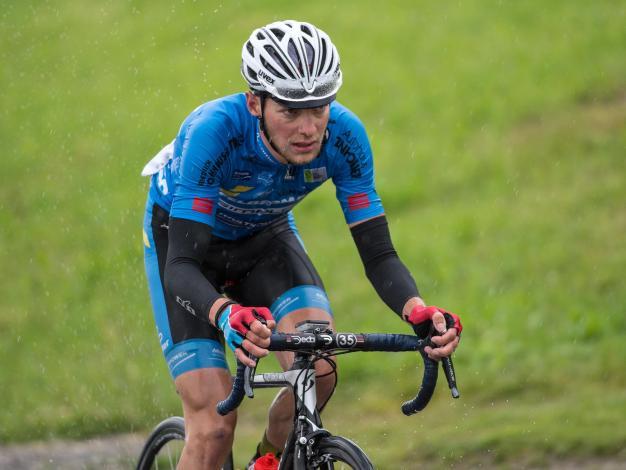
<point>234,399</point>
<point>327,342</point>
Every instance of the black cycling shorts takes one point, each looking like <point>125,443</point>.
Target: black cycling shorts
<point>268,269</point>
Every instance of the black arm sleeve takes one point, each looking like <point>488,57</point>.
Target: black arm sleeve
<point>391,279</point>
<point>188,242</point>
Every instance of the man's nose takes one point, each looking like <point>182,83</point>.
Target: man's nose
<point>307,124</point>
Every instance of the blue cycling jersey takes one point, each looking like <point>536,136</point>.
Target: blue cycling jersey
<point>222,174</point>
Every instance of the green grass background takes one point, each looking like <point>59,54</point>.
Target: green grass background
<point>499,133</point>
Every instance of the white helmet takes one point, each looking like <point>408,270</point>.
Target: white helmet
<point>294,62</point>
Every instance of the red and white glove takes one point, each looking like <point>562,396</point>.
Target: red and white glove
<point>234,321</point>
<point>421,319</point>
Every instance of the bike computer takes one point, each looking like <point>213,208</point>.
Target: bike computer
<point>313,326</point>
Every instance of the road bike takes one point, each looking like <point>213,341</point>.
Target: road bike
<point>309,446</point>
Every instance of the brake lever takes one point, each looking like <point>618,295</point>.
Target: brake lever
<point>448,369</point>
<point>446,364</point>
<point>248,377</point>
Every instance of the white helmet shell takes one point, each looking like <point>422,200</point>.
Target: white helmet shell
<point>296,63</point>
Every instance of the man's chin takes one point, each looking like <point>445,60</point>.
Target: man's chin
<point>302,158</point>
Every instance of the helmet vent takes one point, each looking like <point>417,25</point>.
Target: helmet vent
<point>330,62</point>
<point>278,33</point>
<point>310,54</point>
<point>295,57</point>
<point>271,69</point>
<point>306,29</point>
<point>272,53</point>
<point>323,54</point>
<point>252,74</point>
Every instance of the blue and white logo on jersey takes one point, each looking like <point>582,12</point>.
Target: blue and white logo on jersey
<point>241,175</point>
<point>266,178</point>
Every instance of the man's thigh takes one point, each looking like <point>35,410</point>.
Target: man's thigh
<point>283,278</point>
<point>200,390</point>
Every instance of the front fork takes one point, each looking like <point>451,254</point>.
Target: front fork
<point>303,445</point>
<point>308,424</point>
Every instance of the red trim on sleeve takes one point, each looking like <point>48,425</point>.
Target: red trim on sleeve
<point>203,205</point>
<point>358,201</point>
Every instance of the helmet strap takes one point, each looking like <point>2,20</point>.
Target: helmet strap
<point>263,97</point>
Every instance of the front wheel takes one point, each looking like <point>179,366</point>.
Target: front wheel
<point>330,453</point>
<point>165,446</point>
<point>338,453</point>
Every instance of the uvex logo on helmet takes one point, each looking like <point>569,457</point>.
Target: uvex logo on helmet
<point>265,77</point>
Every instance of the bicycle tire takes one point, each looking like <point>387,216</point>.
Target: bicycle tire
<point>333,453</point>
<point>339,450</point>
<point>168,430</point>
<point>171,429</point>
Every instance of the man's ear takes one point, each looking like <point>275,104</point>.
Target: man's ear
<point>253,102</point>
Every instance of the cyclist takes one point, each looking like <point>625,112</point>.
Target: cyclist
<point>224,260</point>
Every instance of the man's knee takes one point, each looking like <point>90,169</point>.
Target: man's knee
<point>207,435</point>
<point>201,389</point>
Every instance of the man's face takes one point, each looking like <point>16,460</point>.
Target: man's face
<point>296,133</point>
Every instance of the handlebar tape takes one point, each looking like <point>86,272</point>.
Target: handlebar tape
<point>390,342</point>
<point>425,393</point>
<point>236,395</point>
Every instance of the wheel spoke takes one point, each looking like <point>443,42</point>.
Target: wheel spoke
<point>169,455</point>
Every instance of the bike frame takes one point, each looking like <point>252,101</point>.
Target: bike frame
<point>307,421</point>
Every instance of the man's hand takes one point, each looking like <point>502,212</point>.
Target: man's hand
<point>422,317</point>
<point>243,330</point>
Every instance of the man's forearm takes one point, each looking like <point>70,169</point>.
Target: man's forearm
<point>389,276</point>
<point>183,278</point>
